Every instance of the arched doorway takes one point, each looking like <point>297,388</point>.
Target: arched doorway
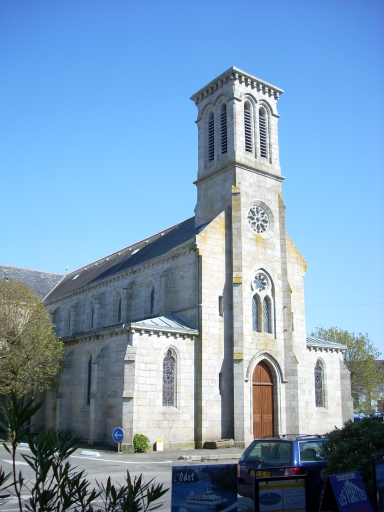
<point>262,396</point>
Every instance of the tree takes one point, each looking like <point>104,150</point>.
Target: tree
<point>30,352</point>
<point>361,360</point>
<point>351,449</point>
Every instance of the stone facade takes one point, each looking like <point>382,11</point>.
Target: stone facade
<point>165,338</point>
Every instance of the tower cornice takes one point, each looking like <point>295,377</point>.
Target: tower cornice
<point>233,75</point>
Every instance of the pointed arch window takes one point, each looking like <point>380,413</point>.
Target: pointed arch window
<point>69,321</point>
<point>255,313</point>
<point>89,379</point>
<point>263,133</point>
<point>248,126</point>
<point>266,314</point>
<point>151,300</point>
<point>92,316</point>
<point>223,128</point>
<point>118,308</point>
<point>262,303</point>
<point>211,137</point>
<point>319,384</point>
<point>169,378</point>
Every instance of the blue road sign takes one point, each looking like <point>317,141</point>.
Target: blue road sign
<point>118,435</point>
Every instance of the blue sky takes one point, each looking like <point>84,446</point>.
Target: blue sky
<point>98,142</point>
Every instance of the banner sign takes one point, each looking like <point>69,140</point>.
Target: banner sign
<point>378,480</point>
<point>203,487</point>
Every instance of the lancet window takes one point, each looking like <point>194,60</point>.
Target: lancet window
<point>262,303</point>
<point>169,378</point>
<point>319,384</point>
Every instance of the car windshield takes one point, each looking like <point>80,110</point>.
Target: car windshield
<point>269,451</point>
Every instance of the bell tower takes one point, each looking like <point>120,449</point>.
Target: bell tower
<point>237,127</point>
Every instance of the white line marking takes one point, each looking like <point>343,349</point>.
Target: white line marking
<point>122,461</point>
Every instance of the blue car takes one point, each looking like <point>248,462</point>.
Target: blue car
<point>288,455</point>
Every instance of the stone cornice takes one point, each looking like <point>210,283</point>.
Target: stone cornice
<point>233,75</point>
<point>233,165</point>
<point>99,334</point>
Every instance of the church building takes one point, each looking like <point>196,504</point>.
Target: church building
<point>198,333</point>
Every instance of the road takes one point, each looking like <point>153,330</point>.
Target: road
<point>157,465</point>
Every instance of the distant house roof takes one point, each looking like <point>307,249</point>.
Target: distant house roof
<point>318,344</point>
<point>136,254</point>
<point>41,283</point>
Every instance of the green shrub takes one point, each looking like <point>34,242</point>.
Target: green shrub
<point>351,449</point>
<point>140,443</point>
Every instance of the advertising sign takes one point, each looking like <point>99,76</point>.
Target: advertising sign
<point>201,487</point>
<point>285,493</point>
<point>378,480</point>
<point>345,493</point>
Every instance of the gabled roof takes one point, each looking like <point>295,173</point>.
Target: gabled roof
<point>136,254</point>
<point>41,283</point>
<point>318,344</point>
<point>164,324</point>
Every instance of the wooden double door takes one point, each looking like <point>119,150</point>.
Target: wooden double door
<point>262,397</point>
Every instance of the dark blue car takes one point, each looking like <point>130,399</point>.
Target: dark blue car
<point>288,455</point>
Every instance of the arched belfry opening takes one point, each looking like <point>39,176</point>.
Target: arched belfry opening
<point>262,401</point>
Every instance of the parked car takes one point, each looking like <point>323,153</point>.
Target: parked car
<point>288,455</point>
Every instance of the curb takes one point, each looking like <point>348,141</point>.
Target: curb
<point>211,457</point>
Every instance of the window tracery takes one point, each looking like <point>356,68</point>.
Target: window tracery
<point>262,303</point>
<point>169,378</point>
<point>319,384</point>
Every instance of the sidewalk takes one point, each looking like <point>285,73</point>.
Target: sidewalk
<point>202,454</point>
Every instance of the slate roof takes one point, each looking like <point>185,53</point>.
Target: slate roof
<point>166,323</point>
<point>41,283</point>
<point>317,343</point>
<point>136,254</point>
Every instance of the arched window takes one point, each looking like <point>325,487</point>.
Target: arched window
<point>223,128</point>
<point>263,133</point>
<point>89,379</point>
<point>248,126</point>
<point>211,137</point>
<point>169,378</point>
<point>69,321</point>
<point>266,314</point>
<point>118,308</point>
<point>319,384</point>
<point>151,300</point>
<point>255,313</point>
<point>262,303</point>
<point>92,316</point>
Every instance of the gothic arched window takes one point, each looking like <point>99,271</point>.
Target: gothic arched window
<point>262,303</point>
<point>319,384</point>
<point>92,316</point>
<point>248,126</point>
<point>151,300</point>
<point>223,128</point>
<point>89,379</point>
<point>255,313</point>
<point>169,378</point>
<point>118,308</point>
<point>211,137</point>
<point>263,133</point>
<point>69,321</point>
<point>266,314</point>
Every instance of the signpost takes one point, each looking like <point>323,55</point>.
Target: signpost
<point>118,436</point>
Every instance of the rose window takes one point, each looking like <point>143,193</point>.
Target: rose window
<point>260,282</point>
<point>258,219</point>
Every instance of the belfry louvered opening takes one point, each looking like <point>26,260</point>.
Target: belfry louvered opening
<point>263,133</point>
<point>211,137</point>
<point>248,127</point>
<point>223,127</point>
